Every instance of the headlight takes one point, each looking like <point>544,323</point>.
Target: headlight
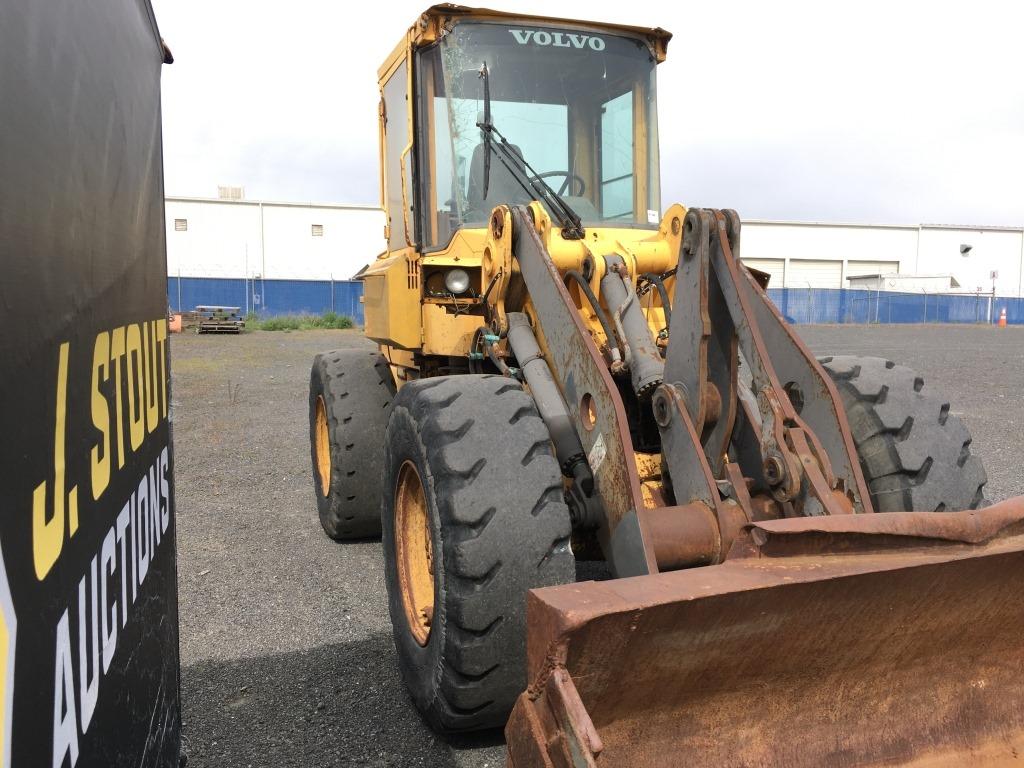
<point>456,281</point>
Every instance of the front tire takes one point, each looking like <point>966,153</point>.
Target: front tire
<point>473,517</point>
<point>350,394</point>
<point>915,454</point>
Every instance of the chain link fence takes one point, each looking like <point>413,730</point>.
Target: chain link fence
<point>845,305</point>
<point>268,298</point>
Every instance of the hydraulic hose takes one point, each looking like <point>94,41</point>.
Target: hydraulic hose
<point>602,316</point>
<point>498,362</point>
<point>483,336</point>
<point>617,316</point>
<point>659,283</point>
<point>550,403</point>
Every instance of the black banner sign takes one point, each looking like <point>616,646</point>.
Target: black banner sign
<point>88,597</point>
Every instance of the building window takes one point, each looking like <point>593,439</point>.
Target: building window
<point>318,230</point>
<point>230,193</point>
<point>181,225</point>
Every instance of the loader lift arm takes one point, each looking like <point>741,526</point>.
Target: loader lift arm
<point>790,455</point>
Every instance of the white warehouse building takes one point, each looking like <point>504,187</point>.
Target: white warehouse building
<point>223,238</point>
<point>820,255</point>
<point>213,237</point>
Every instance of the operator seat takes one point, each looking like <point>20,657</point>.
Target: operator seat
<point>502,188</point>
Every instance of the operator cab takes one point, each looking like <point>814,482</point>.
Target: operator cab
<point>575,104</point>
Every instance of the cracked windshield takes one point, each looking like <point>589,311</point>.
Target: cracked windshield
<point>578,106</point>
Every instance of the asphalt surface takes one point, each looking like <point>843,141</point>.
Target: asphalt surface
<point>286,648</point>
<point>979,369</point>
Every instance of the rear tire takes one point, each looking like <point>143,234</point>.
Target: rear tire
<point>915,454</point>
<point>495,525</point>
<point>350,394</point>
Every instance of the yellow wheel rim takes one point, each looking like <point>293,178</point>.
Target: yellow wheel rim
<point>323,446</point>
<point>414,552</point>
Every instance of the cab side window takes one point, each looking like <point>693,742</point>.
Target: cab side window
<point>617,158</point>
<point>396,139</point>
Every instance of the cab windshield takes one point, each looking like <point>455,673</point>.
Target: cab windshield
<point>579,106</point>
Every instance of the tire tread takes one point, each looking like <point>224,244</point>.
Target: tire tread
<point>358,391</point>
<point>503,531</point>
<point>914,451</point>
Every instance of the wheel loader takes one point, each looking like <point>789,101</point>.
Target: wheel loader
<point>625,513</point>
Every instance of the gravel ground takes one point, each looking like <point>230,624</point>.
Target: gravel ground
<point>286,648</point>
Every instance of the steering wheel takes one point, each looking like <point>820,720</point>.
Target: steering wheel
<point>569,177</point>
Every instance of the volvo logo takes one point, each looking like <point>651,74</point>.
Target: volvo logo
<point>557,39</point>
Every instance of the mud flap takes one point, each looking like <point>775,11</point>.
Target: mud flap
<point>860,640</point>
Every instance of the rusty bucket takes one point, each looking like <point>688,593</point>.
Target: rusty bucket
<point>861,640</point>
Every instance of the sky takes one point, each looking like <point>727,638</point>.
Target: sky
<point>874,112</point>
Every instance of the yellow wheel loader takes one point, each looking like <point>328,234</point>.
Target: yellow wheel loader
<point>804,570</point>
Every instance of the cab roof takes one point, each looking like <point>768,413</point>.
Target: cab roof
<point>435,22</point>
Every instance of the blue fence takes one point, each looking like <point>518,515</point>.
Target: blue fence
<point>798,305</point>
<point>843,305</point>
<point>268,297</point>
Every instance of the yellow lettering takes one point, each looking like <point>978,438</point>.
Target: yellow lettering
<point>116,353</point>
<point>135,366</point>
<point>100,415</point>
<point>161,339</point>
<point>48,536</point>
<point>150,374</point>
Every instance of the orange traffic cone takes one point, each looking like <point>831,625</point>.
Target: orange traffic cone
<point>1002,318</point>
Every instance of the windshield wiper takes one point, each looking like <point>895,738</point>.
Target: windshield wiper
<point>522,171</point>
